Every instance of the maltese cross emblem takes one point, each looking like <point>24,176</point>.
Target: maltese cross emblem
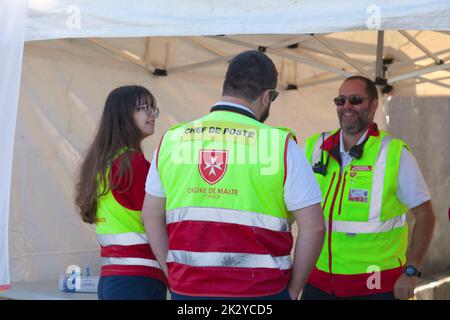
<point>212,165</point>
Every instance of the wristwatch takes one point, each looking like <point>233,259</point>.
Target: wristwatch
<point>412,271</point>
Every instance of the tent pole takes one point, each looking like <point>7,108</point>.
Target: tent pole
<point>323,52</point>
<point>408,63</point>
<point>435,82</point>
<point>309,54</point>
<point>442,78</point>
<point>124,54</point>
<point>380,80</point>
<point>147,52</point>
<point>167,53</point>
<point>235,41</point>
<point>419,72</point>
<point>310,62</point>
<point>289,42</point>
<point>281,73</point>
<point>286,55</point>
<point>207,47</point>
<point>200,64</point>
<point>221,57</point>
<point>313,82</point>
<point>379,61</point>
<point>339,53</point>
<point>421,47</point>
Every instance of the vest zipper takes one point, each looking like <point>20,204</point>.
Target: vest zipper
<point>330,223</point>
<point>342,194</point>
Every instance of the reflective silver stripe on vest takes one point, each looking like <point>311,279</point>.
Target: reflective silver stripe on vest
<point>227,259</point>
<point>317,150</point>
<point>378,180</point>
<point>131,262</point>
<point>353,227</point>
<point>246,218</point>
<point>122,239</point>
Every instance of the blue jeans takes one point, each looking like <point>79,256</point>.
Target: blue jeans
<point>312,293</point>
<point>283,295</point>
<point>131,288</point>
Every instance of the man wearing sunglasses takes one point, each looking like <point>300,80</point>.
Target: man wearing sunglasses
<point>229,203</point>
<point>369,180</point>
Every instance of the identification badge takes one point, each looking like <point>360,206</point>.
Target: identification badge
<point>358,195</point>
<point>361,168</point>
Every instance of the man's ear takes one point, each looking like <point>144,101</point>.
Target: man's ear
<point>265,96</point>
<point>374,106</point>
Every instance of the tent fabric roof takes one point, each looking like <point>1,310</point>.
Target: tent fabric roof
<point>52,19</point>
<point>56,19</point>
<point>308,61</point>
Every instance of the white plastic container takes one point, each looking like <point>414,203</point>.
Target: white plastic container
<point>77,283</point>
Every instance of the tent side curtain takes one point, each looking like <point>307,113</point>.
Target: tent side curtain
<point>53,19</point>
<point>12,24</point>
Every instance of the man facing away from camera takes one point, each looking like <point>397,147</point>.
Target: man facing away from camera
<point>222,194</point>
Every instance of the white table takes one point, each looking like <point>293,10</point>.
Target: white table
<point>42,290</point>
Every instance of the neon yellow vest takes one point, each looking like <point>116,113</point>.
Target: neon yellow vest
<point>122,237</point>
<point>360,204</point>
<point>114,219</point>
<point>254,176</point>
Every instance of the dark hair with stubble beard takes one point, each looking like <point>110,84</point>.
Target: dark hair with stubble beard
<point>363,120</point>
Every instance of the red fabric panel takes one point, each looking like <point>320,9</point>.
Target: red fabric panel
<point>125,270</point>
<point>133,198</point>
<point>226,282</point>
<point>348,285</point>
<point>135,251</point>
<point>201,236</point>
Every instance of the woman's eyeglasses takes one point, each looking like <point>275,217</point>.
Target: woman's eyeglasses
<point>149,110</point>
<point>352,99</point>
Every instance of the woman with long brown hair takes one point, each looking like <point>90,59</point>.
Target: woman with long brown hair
<point>110,193</point>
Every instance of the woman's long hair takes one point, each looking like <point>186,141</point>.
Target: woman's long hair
<point>117,132</point>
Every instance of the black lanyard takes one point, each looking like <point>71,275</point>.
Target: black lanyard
<point>233,109</point>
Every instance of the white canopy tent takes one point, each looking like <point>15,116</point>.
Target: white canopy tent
<point>75,52</point>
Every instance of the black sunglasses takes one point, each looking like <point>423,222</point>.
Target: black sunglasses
<point>353,99</point>
<point>273,94</point>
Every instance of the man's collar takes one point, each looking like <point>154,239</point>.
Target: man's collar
<point>335,140</point>
<point>236,105</point>
<point>341,140</point>
<point>233,107</point>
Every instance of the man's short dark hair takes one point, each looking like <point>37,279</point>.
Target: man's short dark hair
<point>248,74</point>
<point>371,88</point>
